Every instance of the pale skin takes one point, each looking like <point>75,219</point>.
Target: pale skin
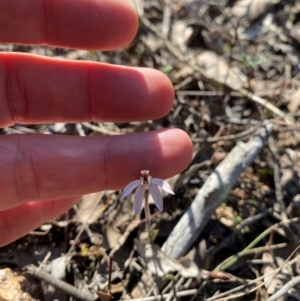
<point>42,176</point>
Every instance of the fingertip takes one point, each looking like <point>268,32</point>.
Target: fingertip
<point>164,153</point>
<point>146,93</point>
<point>161,90</point>
<point>126,15</point>
<point>92,24</point>
<point>178,147</point>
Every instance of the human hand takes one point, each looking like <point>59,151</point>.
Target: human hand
<point>41,176</point>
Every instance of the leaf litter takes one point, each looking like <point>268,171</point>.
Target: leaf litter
<point>235,70</point>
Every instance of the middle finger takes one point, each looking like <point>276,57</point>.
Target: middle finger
<point>43,167</point>
<point>43,90</point>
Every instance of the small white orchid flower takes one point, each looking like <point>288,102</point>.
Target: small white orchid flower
<point>144,185</point>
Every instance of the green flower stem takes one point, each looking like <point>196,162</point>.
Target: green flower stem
<point>147,212</point>
<point>232,260</point>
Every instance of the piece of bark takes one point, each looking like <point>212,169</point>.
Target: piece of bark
<point>214,191</point>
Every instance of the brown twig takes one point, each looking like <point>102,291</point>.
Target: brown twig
<point>207,93</point>
<point>228,137</point>
<point>279,194</point>
<point>99,129</point>
<point>167,15</point>
<point>65,287</point>
<point>278,188</point>
<point>109,274</point>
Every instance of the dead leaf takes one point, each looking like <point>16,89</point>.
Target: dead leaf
<point>160,264</point>
<point>190,8</point>
<point>119,226</point>
<point>138,6</point>
<point>294,101</point>
<point>252,9</point>
<point>181,34</point>
<point>217,69</point>
<point>104,296</point>
<point>274,259</point>
<point>272,284</point>
<point>264,88</point>
<point>86,205</point>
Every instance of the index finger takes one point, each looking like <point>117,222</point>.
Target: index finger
<point>88,24</point>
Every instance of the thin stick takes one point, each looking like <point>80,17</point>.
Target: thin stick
<point>65,287</point>
<point>162,297</point>
<point>109,274</point>
<point>278,188</point>
<point>167,15</point>
<point>99,129</point>
<point>206,93</point>
<point>227,137</point>
<point>284,290</point>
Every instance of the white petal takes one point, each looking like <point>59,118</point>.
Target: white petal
<point>163,184</point>
<point>138,199</point>
<point>154,191</point>
<point>129,188</point>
